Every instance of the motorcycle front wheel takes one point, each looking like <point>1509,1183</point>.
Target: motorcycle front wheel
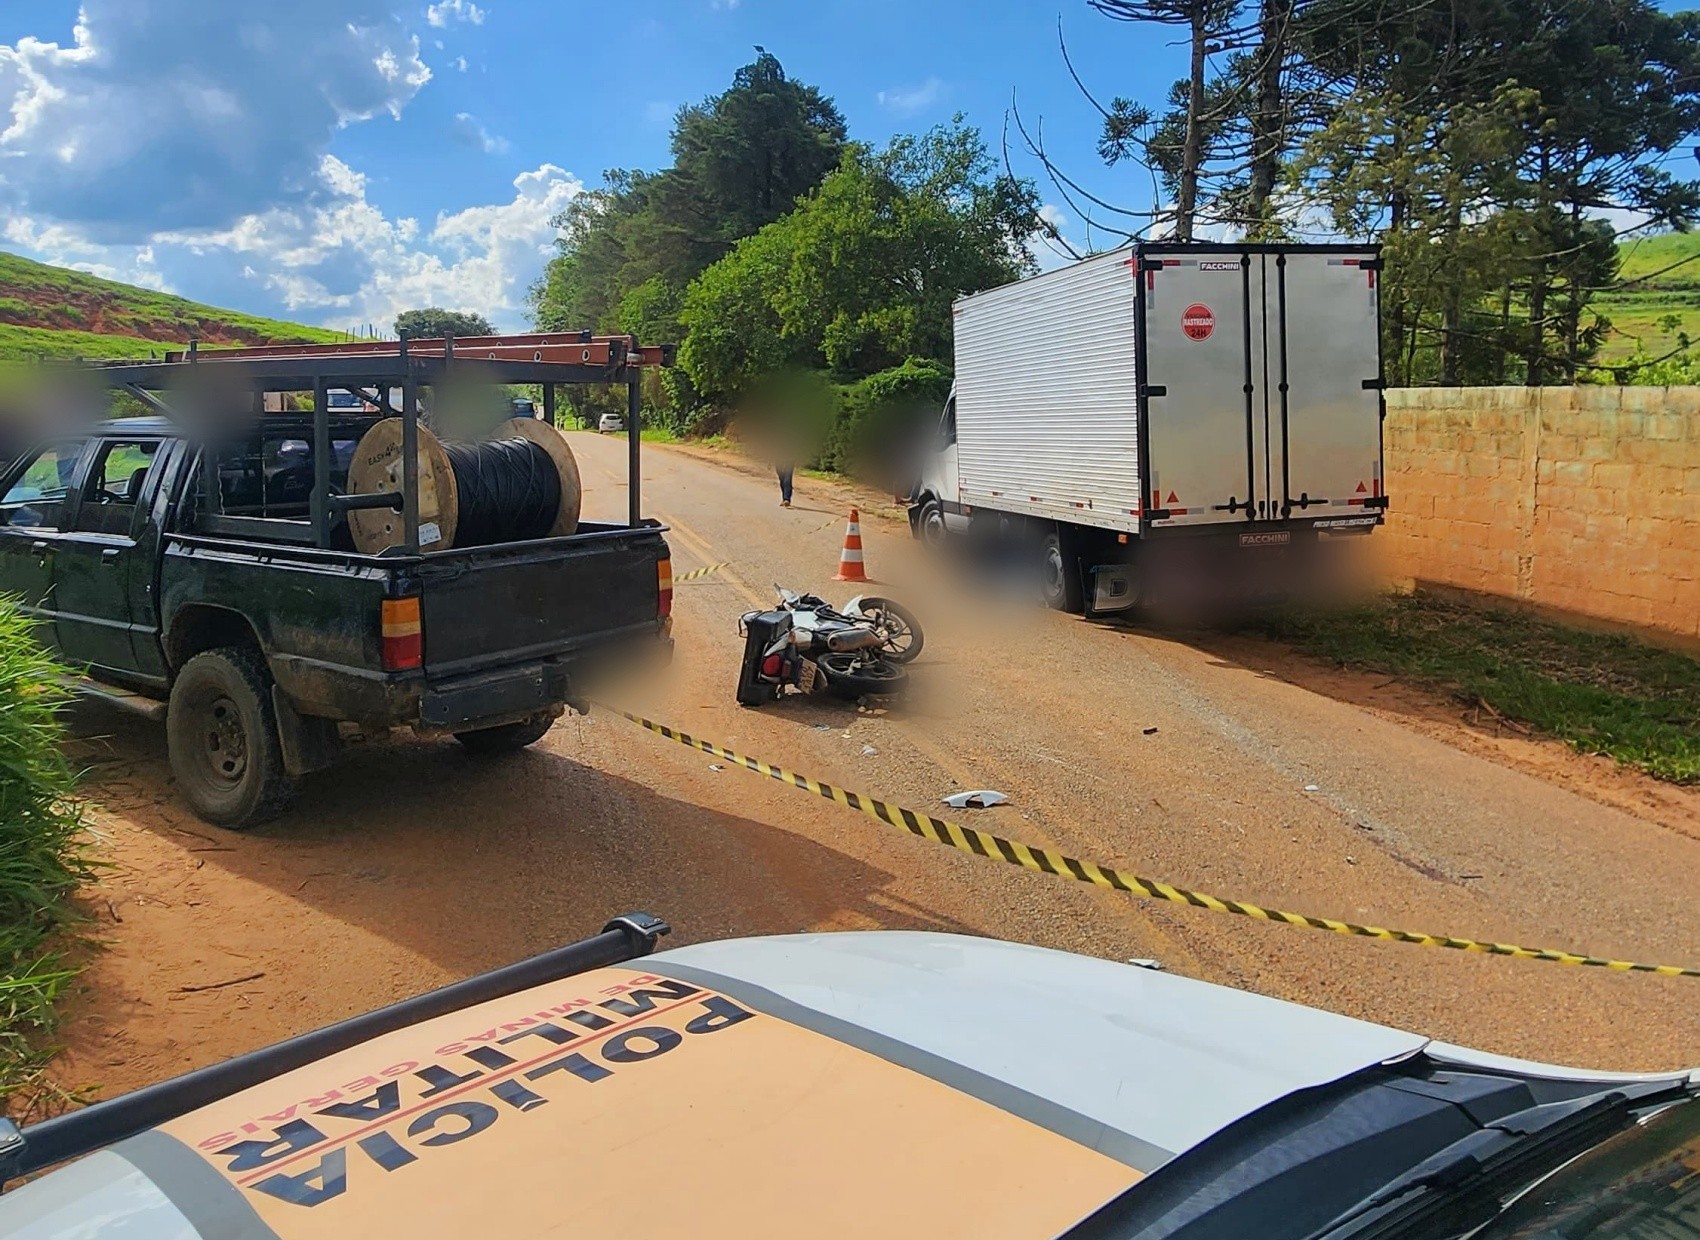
<point>851,676</point>
<point>897,624</point>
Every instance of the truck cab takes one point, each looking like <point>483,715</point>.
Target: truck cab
<point>935,505</point>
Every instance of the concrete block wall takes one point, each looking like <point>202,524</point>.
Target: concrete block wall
<point>1582,501</point>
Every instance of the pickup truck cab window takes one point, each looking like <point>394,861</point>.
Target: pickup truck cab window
<point>114,485</point>
<point>272,476</point>
<point>37,494</point>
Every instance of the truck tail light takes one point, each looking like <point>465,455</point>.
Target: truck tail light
<point>403,635</point>
<point>664,588</point>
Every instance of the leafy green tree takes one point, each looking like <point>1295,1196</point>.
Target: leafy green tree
<point>864,272</point>
<point>733,331</point>
<point>1499,132</point>
<point>741,159</point>
<point>434,322</point>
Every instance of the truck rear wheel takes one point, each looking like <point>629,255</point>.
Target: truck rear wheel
<point>1059,575</point>
<point>506,737</point>
<point>221,735</point>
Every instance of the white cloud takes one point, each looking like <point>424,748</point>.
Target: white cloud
<point>159,117</point>
<point>176,147</point>
<point>908,100</point>
<point>724,5</point>
<point>468,132</point>
<point>450,11</point>
<point>658,114</point>
<point>344,261</point>
<point>459,62</point>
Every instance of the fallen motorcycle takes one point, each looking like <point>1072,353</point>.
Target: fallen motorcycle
<point>859,651</point>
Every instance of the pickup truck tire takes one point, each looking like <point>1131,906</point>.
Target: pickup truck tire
<point>506,737</point>
<point>222,737</point>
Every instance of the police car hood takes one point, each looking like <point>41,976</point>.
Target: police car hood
<point>820,1085</point>
<point>1155,1062</point>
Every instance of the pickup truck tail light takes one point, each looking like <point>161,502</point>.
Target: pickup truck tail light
<point>664,588</point>
<point>403,636</point>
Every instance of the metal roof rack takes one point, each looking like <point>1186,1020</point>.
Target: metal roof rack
<point>376,370</point>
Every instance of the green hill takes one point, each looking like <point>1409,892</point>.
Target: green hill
<point>54,312</point>
<point>1663,289</point>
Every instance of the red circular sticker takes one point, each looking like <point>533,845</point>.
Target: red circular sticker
<point>1198,322</point>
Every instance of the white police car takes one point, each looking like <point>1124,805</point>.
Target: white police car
<point>871,1085</point>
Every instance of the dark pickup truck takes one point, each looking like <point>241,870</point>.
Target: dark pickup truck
<point>261,649</point>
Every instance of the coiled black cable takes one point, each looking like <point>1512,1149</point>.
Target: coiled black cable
<point>509,491</point>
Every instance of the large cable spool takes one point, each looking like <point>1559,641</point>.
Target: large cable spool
<point>521,483</point>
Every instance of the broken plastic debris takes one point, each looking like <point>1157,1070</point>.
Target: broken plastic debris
<point>1143,962</point>
<point>823,727</point>
<point>715,766</point>
<point>975,800</point>
<point>868,751</point>
<point>1313,788</point>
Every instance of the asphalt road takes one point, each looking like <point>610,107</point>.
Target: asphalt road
<point>412,864</point>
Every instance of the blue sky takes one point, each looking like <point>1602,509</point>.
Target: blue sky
<point>335,161</point>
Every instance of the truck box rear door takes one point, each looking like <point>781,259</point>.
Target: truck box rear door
<point>1262,398</point>
<point>1331,361</point>
<point>1204,330</point>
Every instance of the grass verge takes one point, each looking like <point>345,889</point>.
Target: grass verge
<point>41,857</point>
<point>1599,693</point>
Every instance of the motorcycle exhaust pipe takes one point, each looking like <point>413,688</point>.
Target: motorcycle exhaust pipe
<point>853,639</point>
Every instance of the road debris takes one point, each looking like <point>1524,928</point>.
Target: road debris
<point>1145,962</point>
<point>235,981</point>
<point>982,799</point>
<point>869,751</point>
<point>715,766</point>
<point>1150,731</point>
<point>1313,788</point>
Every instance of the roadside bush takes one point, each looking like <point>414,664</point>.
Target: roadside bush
<point>41,862</point>
<point>883,419</point>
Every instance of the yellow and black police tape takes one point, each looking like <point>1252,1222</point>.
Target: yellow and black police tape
<point>997,848</point>
<point>700,572</point>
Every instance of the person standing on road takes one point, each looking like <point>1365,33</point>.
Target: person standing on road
<point>783,467</point>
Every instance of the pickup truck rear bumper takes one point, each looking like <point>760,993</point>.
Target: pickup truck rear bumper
<point>488,697</point>
<point>485,698</point>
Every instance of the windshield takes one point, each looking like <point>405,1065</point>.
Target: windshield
<point>1642,1184</point>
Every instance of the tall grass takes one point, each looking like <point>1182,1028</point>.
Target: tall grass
<point>41,855</point>
<point>1600,693</point>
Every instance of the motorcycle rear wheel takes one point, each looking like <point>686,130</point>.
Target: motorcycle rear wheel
<point>852,677</point>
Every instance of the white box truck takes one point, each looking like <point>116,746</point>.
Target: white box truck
<point>1164,412</point>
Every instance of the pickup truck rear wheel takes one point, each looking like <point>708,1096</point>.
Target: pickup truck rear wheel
<point>222,736</point>
<point>506,737</point>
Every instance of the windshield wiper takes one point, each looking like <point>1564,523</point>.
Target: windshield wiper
<point>1462,1184</point>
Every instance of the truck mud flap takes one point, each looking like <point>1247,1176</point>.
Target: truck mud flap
<point>308,744</point>
<point>1110,589</point>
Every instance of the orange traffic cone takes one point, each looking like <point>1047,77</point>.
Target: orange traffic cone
<point>850,559</point>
